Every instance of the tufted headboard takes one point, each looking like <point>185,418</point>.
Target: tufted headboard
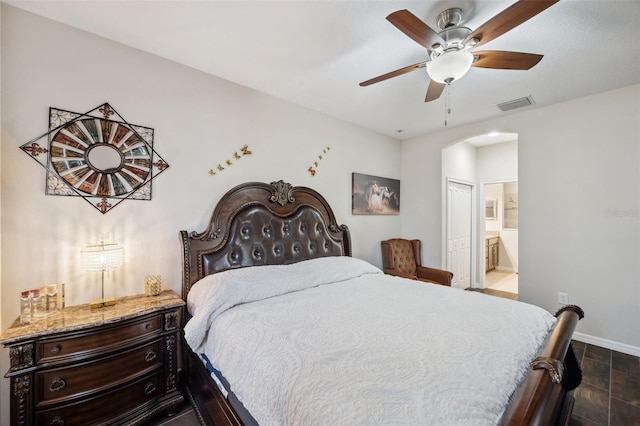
<point>257,223</point>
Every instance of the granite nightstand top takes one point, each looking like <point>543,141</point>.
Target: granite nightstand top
<point>79,317</point>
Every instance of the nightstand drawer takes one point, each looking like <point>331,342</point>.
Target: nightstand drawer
<point>105,408</point>
<point>57,385</point>
<point>85,344</point>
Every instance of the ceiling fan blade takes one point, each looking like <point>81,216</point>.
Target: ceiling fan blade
<point>505,60</point>
<point>394,73</point>
<point>417,30</point>
<point>434,91</point>
<point>508,19</point>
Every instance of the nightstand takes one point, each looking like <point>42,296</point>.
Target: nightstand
<point>113,365</point>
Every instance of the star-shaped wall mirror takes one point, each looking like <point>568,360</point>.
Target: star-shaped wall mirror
<point>97,155</point>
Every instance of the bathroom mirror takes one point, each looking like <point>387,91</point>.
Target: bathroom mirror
<point>491,209</point>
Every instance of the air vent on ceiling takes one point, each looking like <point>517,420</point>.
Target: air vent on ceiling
<point>515,103</point>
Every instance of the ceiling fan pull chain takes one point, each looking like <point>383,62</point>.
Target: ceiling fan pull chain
<point>447,107</point>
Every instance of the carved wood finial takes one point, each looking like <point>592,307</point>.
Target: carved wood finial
<point>577,309</point>
<point>553,366</point>
<point>282,193</point>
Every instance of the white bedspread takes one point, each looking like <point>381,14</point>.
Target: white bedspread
<point>333,341</point>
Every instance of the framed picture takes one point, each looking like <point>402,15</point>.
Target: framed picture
<point>374,195</point>
<point>491,209</point>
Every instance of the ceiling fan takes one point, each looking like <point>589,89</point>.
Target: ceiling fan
<point>450,55</point>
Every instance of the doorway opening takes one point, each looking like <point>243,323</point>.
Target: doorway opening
<point>476,162</point>
<point>501,236</point>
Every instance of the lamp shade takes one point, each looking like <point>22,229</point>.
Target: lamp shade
<point>102,257</point>
<point>449,66</point>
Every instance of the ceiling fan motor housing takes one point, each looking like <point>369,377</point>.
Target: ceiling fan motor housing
<point>449,18</point>
<point>454,37</point>
<point>450,31</point>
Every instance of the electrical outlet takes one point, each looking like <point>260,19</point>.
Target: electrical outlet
<point>563,298</point>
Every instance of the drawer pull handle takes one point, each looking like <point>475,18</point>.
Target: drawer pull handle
<point>149,389</point>
<point>56,349</point>
<point>148,326</point>
<point>150,356</point>
<point>57,384</point>
<point>56,421</point>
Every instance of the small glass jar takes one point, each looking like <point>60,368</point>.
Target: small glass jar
<point>52,297</point>
<point>38,304</point>
<point>25,307</point>
<point>152,285</point>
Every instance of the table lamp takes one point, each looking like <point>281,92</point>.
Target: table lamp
<point>102,257</point>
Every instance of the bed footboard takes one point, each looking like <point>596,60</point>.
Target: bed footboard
<point>545,396</point>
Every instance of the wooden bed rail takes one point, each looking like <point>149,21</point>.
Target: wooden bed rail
<point>544,397</point>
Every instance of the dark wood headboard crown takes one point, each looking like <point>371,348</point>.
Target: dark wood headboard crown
<point>257,223</point>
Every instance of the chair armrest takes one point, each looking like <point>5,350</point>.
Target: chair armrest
<point>399,274</point>
<point>439,276</point>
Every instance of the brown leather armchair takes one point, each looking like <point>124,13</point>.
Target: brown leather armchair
<point>401,257</point>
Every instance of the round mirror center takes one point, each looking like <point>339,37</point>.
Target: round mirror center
<point>105,158</point>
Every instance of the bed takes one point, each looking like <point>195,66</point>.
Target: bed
<point>284,326</point>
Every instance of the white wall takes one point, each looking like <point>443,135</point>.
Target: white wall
<point>579,185</point>
<point>199,121</point>
<point>4,356</point>
<point>498,162</point>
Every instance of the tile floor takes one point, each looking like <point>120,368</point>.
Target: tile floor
<point>502,281</point>
<point>609,394</point>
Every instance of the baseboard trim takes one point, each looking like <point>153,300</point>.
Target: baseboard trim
<point>505,269</point>
<point>609,344</point>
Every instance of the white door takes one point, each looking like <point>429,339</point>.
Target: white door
<point>459,228</point>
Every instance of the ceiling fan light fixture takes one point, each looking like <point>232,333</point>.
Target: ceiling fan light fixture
<point>449,66</point>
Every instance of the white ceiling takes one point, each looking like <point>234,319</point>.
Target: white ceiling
<point>314,53</point>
